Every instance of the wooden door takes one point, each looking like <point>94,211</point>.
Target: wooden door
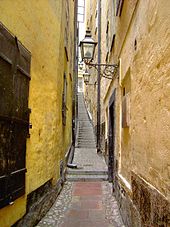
<point>14,115</point>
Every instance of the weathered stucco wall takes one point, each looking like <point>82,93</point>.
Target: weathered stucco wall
<point>149,64</point>
<point>151,89</point>
<point>39,25</point>
<point>142,44</point>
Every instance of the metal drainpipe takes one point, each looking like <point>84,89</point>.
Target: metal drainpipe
<point>77,59</point>
<point>98,76</point>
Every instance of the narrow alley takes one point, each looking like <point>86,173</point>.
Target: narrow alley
<point>86,199</point>
<point>84,113</point>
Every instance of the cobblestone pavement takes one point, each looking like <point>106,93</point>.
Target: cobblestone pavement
<point>84,204</point>
<point>56,213</point>
<point>87,201</point>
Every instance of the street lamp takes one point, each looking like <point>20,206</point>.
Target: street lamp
<point>86,76</point>
<point>80,65</point>
<point>109,71</point>
<point>87,47</point>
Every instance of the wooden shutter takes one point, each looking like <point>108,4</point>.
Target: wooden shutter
<point>14,115</point>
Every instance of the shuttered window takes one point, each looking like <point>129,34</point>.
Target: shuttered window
<point>14,116</point>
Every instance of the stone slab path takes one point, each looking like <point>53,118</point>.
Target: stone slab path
<point>91,166</point>
<point>86,199</point>
<point>84,204</point>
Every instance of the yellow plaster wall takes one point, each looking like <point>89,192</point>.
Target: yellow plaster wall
<point>150,90</point>
<point>151,102</point>
<point>144,146</point>
<point>39,26</point>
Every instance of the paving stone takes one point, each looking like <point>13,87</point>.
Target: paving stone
<point>87,209</point>
<point>85,204</point>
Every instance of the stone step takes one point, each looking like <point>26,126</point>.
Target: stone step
<point>85,125</point>
<point>86,135</point>
<point>87,178</point>
<point>90,140</point>
<point>86,146</point>
<point>86,172</point>
<point>84,120</point>
<point>88,129</point>
<point>86,138</point>
<point>90,132</point>
<point>81,143</point>
<point>86,141</point>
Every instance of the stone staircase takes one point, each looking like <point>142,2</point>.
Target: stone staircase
<point>87,176</point>
<point>85,137</point>
<point>90,165</point>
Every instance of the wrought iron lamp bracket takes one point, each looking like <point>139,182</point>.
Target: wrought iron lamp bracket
<point>108,71</point>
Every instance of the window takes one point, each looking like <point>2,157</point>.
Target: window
<point>126,90</point>
<point>14,116</point>
<point>64,101</point>
<point>107,36</point>
<point>96,19</point>
<point>125,111</point>
<point>66,35</point>
<point>118,7</point>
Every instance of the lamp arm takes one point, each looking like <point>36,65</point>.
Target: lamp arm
<point>108,71</point>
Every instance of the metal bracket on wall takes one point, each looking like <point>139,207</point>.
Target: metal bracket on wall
<point>108,71</point>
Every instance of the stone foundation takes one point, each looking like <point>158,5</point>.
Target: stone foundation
<point>41,200</point>
<point>38,203</point>
<point>144,206</point>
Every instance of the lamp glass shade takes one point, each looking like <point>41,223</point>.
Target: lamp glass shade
<point>86,77</point>
<point>87,46</point>
<point>88,49</point>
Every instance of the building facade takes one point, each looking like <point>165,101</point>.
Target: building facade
<point>36,84</point>
<point>136,106</point>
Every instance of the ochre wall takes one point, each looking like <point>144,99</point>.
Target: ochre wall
<point>39,25</point>
<point>148,152</point>
<point>142,47</point>
<point>150,111</point>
